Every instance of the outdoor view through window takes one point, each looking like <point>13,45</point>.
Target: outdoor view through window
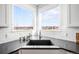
<point>23,18</point>
<point>51,19</point>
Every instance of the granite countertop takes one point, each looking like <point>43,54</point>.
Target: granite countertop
<point>72,46</point>
<point>68,45</point>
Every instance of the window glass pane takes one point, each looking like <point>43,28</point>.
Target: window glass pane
<point>51,18</point>
<point>22,17</point>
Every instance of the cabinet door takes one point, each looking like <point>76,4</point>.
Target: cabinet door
<point>74,15</point>
<point>2,15</point>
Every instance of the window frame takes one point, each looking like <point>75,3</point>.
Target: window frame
<point>49,8</point>
<point>27,6</point>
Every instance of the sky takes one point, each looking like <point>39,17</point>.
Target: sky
<point>51,17</point>
<point>24,17</point>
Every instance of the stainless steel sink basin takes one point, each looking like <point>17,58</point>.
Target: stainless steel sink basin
<point>39,42</point>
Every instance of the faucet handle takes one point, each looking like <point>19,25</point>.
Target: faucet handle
<point>27,38</point>
<point>24,39</point>
<point>21,39</point>
<point>40,33</point>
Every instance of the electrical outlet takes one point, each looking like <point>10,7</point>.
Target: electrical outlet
<point>5,35</point>
<point>66,34</point>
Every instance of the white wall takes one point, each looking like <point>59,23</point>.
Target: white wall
<point>69,34</point>
<point>5,33</point>
<point>66,33</point>
<point>8,34</point>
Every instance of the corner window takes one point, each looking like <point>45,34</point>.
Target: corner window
<point>51,19</point>
<point>23,18</point>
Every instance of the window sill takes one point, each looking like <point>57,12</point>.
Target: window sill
<point>30,30</point>
<point>60,30</point>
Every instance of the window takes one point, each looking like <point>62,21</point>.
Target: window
<point>51,19</point>
<point>23,18</point>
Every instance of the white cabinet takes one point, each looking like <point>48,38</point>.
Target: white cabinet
<point>3,22</point>
<point>73,12</point>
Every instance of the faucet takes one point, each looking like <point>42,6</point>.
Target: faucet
<point>40,35</point>
<point>28,37</point>
<point>22,39</point>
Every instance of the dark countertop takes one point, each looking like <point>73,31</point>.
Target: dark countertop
<point>68,45</point>
<point>14,45</point>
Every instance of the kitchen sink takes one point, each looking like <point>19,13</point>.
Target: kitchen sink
<point>39,42</point>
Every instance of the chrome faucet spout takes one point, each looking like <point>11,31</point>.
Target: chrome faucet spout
<point>28,37</point>
<point>40,35</point>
